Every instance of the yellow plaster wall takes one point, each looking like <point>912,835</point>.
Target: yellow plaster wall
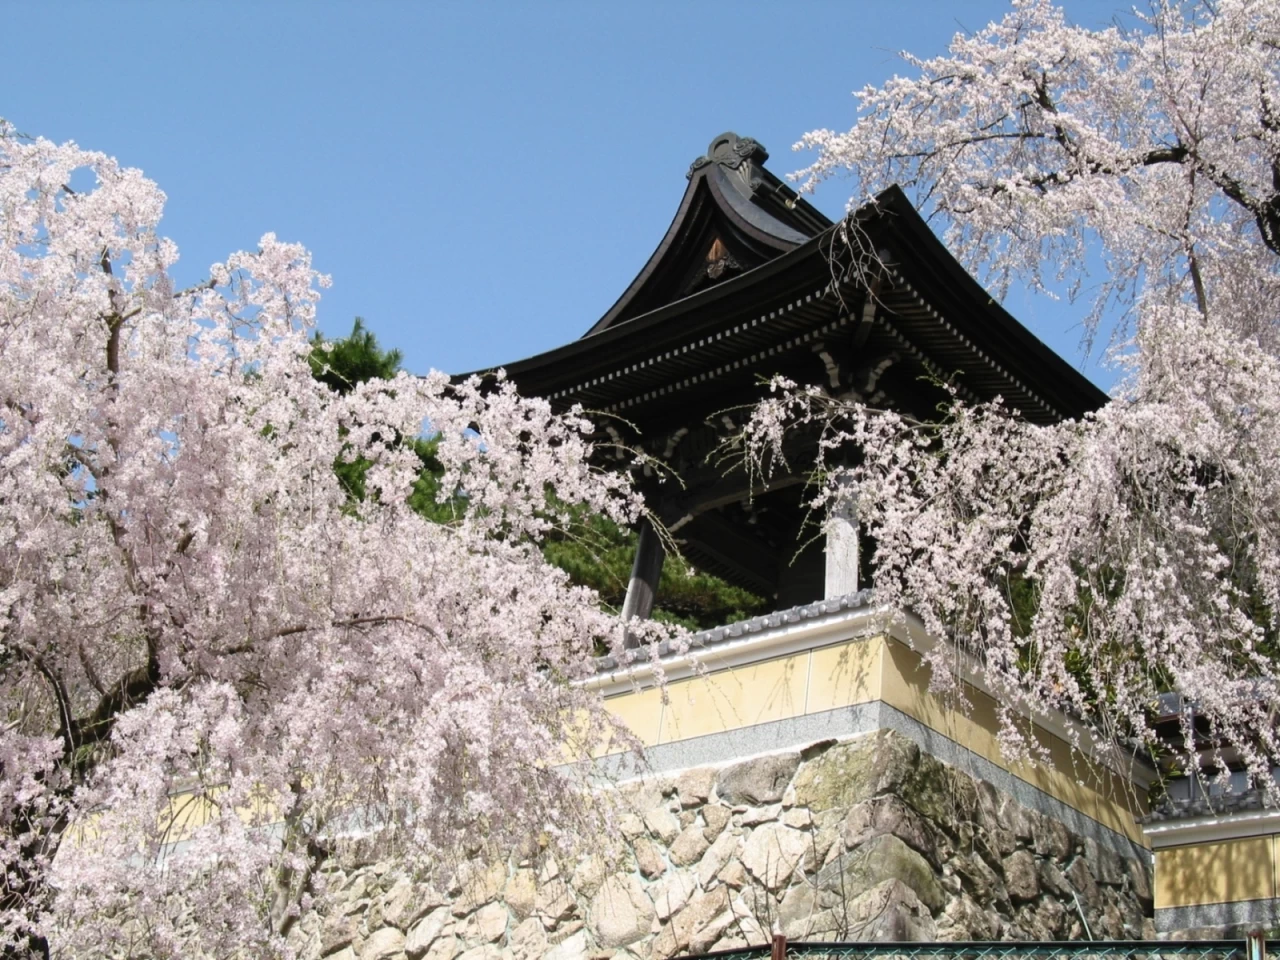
<point>845,674</point>
<point>1225,872</point>
<point>183,814</point>
<point>729,698</point>
<point>862,671</point>
<point>1069,777</point>
<point>742,697</point>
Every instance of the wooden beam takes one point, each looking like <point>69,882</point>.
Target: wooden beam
<point>728,544</point>
<point>720,491</point>
<point>645,572</point>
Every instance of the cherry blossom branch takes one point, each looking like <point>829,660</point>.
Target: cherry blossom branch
<point>250,646</point>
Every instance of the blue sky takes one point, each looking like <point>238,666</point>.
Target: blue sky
<point>481,180</point>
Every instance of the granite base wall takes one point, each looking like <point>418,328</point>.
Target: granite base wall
<point>865,839</point>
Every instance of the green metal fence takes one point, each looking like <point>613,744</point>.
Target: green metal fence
<point>1023,950</point>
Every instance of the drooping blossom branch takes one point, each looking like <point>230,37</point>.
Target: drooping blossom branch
<point>202,635</point>
<point>1091,565</point>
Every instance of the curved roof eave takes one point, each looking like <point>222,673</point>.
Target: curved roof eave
<point>726,180</point>
<point>938,269</point>
<point>638,327</point>
<point>923,265</point>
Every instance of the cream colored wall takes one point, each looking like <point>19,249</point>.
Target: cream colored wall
<point>829,677</point>
<point>1229,871</point>
<point>862,671</point>
<point>1070,777</point>
<point>184,813</point>
<point>726,699</point>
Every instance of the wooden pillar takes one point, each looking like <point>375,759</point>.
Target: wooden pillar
<point>645,571</point>
<point>842,551</point>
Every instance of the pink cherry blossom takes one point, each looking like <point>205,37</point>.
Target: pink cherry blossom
<point>214,667</point>
<point>1144,538</point>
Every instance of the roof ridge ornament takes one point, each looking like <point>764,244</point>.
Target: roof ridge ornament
<point>730,151</point>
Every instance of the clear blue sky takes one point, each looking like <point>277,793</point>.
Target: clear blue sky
<point>481,180</point>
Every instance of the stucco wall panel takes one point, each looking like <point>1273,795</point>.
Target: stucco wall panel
<point>737,697</point>
<point>845,674</point>
<point>1227,872</point>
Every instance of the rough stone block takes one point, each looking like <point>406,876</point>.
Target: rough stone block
<point>1020,877</point>
<point>1139,875</point>
<point>1105,863</point>
<point>620,912</point>
<point>733,875</point>
<point>716,857</point>
<point>445,948</point>
<point>528,941</point>
<point>1049,838</point>
<point>849,773</point>
<point>1048,921</point>
<point>699,911</point>
<point>630,826</point>
<point>759,781</point>
<point>694,786</point>
<point>384,944</point>
<point>963,919</point>
<point>649,858</point>
<point>491,921</point>
<point>889,912</point>
<point>752,816</point>
<point>672,892</point>
<point>425,932</point>
<point>337,932</point>
<point>1053,880</point>
<point>554,901</point>
<point>801,911</point>
<point>662,824</point>
<point>701,939</point>
<point>773,852</point>
<point>941,793</point>
<point>979,879</point>
<point>689,847</point>
<point>478,884</point>
<point>879,859</point>
<point>890,815</point>
<point>571,948</point>
<point>716,817</point>
<point>397,903</point>
<point>588,875</point>
<point>521,893</point>
<point>1080,878</point>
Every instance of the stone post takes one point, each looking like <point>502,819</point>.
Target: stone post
<point>842,550</point>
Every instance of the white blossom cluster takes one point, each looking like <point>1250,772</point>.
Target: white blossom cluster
<point>215,665</point>
<point>1092,565</point>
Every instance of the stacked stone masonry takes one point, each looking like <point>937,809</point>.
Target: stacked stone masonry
<point>869,839</point>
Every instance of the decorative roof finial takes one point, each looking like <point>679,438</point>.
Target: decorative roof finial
<point>730,151</point>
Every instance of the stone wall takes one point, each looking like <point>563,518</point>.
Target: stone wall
<point>869,839</point>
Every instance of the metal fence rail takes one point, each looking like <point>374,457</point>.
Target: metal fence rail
<point>1017,950</point>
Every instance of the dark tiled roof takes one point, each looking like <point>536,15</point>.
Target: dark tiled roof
<point>707,639</point>
<point>1203,806</point>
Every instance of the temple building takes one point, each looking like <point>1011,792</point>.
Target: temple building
<point>752,281</point>
<point>786,712</point>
